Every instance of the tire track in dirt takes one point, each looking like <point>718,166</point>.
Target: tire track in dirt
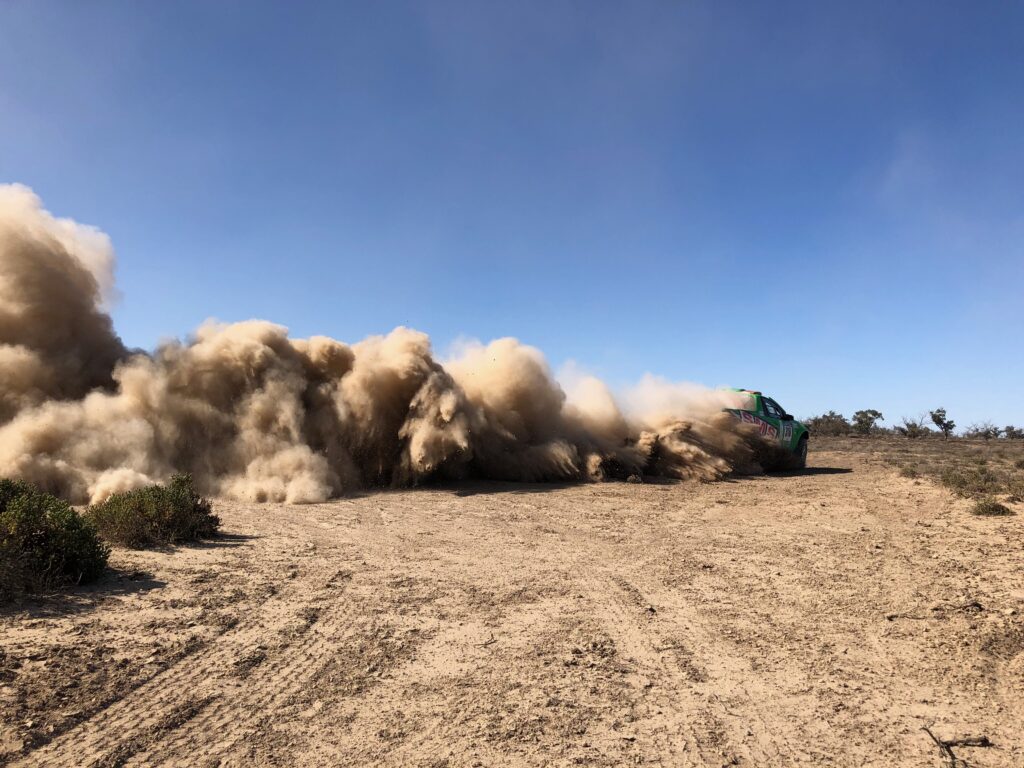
<point>756,702</point>
<point>136,716</point>
<point>137,724</point>
<point>749,711</point>
<point>456,653</point>
<point>343,630</point>
<point>681,727</point>
<point>233,715</point>
<point>457,646</point>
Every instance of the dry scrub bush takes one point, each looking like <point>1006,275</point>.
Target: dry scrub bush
<point>972,482</point>
<point>829,424</point>
<point>984,430</point>
<point>989,507</point>
<point>1015,489</point>
<point>158,515</point>
<point>913,428</point>
<point>44,543</point>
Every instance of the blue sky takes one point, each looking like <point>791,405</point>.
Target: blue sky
<point>820,200</point>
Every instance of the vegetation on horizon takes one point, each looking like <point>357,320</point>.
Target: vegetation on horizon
<point>864,422</point>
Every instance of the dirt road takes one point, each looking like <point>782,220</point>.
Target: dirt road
<point>816,619</point>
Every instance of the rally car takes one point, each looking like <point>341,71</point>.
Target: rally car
<point>775,424</point>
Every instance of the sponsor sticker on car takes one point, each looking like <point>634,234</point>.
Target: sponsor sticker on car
<point>766,429</point>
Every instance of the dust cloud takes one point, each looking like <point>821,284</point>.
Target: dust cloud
<point>256,415</point>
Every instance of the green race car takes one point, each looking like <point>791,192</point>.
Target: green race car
<point>752,407</point>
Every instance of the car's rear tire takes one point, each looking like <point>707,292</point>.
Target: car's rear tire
<point>800,454</point>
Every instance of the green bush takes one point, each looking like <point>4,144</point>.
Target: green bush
<point>158,515</point>
<point>44,543</point>
<point>12,574</point>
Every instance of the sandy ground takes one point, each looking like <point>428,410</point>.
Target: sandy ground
<point>821,618</point>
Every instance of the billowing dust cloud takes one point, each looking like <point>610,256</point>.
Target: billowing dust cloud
<point>256,415</point>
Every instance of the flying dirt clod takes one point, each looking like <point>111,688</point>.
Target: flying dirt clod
<point>255,415</point>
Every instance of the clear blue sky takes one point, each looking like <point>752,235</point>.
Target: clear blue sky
<point>820,200</point>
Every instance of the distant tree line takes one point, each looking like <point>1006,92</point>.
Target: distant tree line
<point>865,422</point>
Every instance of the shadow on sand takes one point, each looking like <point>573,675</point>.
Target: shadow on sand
<point>220,541</point>
<point>481,487</point>
<point>114,583</point>
<point>808,471</point>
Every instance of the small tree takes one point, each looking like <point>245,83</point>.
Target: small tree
<point>1011,432</point>
<point>946,426</point>
<point>829,424</point>
<point>913,428</point>
<point>864,421</point>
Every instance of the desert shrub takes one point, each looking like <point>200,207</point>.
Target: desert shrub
<point>864,421</point>
<point>157,515</point>
<point>44,543</point>
<point>829,424</point>
<point>1019,463</point>
<point>913,428</point>
<point>989,507</point>
<point>910,472</point>
<point>968,481</point>
<point>984,430</point>
<point>1015,489</point>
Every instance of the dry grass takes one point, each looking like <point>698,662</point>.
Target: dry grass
<point>991,472</point>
